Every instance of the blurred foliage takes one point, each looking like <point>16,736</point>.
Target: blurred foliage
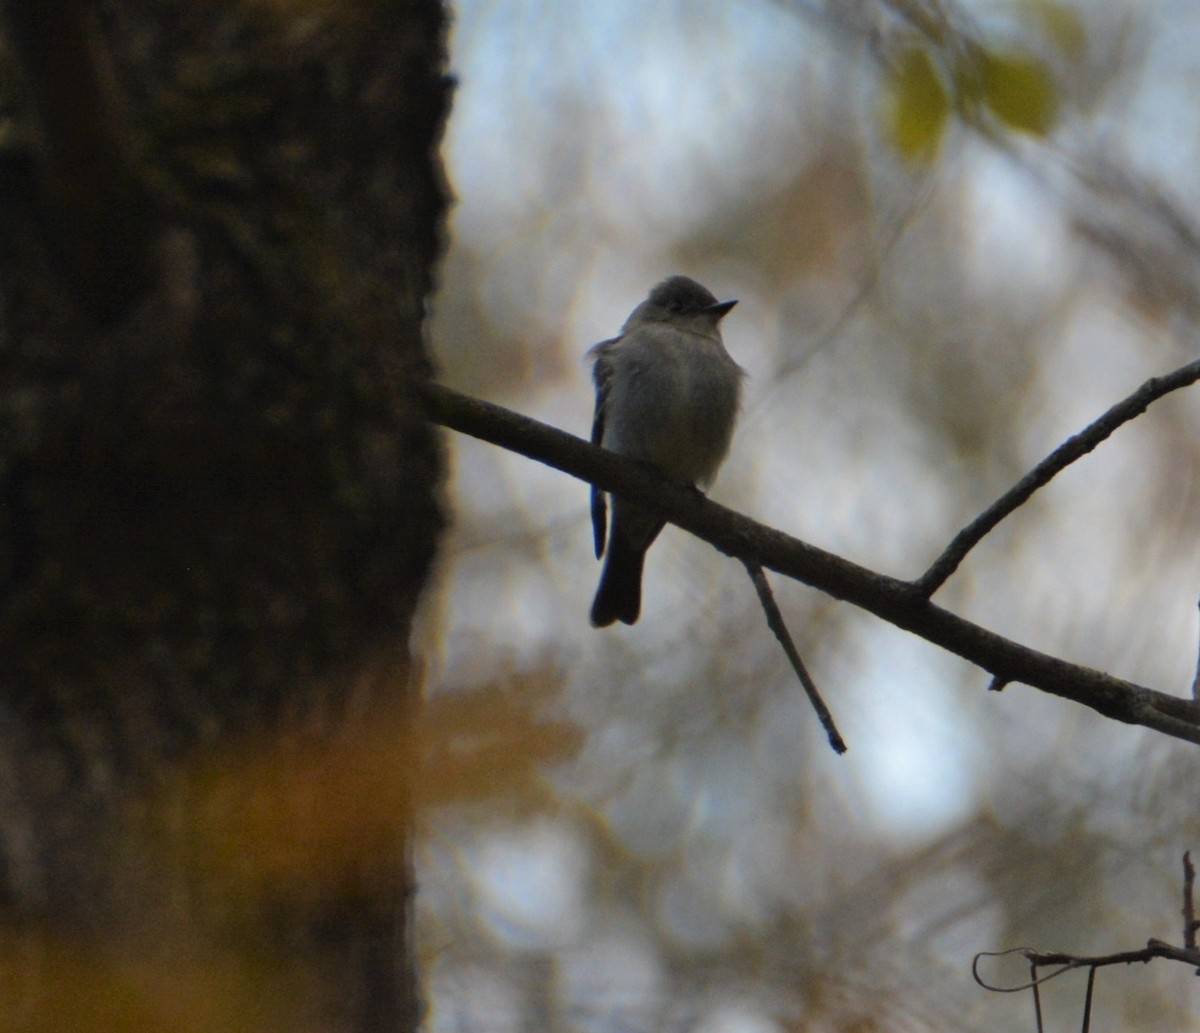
<point>946,69</point>
<point>920,105</point>
<point>931,301</point>
<point>159,986</point>
<point>1063,26</point>
<point>1016,88</point>
<point>276,822</point>
<point>1019,90</point>
<point>298,818</point>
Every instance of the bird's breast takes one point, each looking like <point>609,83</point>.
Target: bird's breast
<point>673,403</point>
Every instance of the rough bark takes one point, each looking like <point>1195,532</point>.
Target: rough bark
<point>218,492</point>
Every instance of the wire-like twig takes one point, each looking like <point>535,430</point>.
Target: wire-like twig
<point>776,623</point>
<point>1188,954</point>
<point>1045,471</point>
<point>889,598</point>
<point>1071,962</point>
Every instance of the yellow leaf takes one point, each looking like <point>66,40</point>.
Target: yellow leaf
<point>1019,90</point>
<point>919,106</point>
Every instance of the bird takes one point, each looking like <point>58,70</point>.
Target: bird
<point>667,395</point>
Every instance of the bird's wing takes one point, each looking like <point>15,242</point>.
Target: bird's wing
<point>602,376</point>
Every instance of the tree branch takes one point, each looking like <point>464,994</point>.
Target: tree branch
<point>901,603</point>
<point>1041,475</point>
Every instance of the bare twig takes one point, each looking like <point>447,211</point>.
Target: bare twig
<point>896,601</point>
<point>1190,924</point>
<point>1188,954</point>
<point>1087,1001</point>
<point>1037,996</point>
<point>1070,962</point>
<point>775,622</point>
<point>1196,680</point>
<point>1070,450</point>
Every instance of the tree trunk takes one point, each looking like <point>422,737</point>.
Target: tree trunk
<point>218,506</point>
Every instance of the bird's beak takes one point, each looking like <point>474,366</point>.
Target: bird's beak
<point>721,308</point>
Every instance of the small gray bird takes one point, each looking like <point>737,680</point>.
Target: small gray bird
<point>667,394</point>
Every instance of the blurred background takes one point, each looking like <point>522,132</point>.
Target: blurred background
<point>958,233</point>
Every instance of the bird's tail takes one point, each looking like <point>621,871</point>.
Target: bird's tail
<point>619,597</point>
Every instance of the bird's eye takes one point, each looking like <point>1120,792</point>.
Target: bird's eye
<point>675,306</point>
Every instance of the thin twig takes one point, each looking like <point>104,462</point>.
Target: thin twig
<point>1196,680</point>
<point>1037,997</point>
<point>775,622</point>
<point>1087,1000</point>
<point>1034,979</point>
<point>1190,924</point>
<point>1070,962</point>
<point>1041,475</point>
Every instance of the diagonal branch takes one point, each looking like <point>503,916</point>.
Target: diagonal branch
<point>901,603</point>
<point>1073,448</point>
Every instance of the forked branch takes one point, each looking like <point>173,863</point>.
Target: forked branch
<point>902,603</point>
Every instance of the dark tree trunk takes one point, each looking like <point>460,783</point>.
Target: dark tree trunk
<point>218,502</point>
